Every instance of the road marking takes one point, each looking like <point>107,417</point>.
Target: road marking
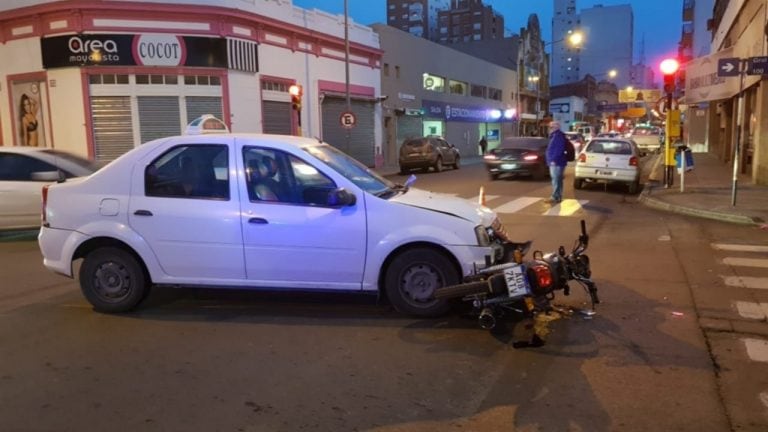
<point>757,349</point>
<point>488,198</point>
<point>740,247</point>
<point>746,282</point>
<point>746,262</point>
<point>516,205</point>
<point>566,207</point>
<point>752,310</point>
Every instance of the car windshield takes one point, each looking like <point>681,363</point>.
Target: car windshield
<point>351,169</point>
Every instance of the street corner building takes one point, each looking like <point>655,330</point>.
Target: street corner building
<point>99,78</point>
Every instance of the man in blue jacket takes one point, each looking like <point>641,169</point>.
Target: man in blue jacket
<point>556,160</point>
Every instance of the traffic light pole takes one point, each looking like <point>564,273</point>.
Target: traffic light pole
<point>669,152</point>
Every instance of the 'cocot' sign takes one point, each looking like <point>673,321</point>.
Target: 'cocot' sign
<point>159,50</point>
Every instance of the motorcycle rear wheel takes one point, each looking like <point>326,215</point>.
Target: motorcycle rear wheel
<point>462,290</point>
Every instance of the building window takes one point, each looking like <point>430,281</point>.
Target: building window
<point>476,37</point>
<point>477,26</point>
<point>158,79</point>
<point>478,90</point>
<point>434,83</point>
<point>494,93</point>
<point>457,87</point>
<point>397,71</point>
<point>108,79</point>
<point>386,69</point>
<point>274,86</point>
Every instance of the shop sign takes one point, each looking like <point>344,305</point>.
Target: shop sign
<point>133,50</point>
<point>455,112</point>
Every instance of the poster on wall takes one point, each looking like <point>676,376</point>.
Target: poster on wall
<point>28,101</point>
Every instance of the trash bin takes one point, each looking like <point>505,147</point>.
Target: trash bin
<point>688,154</point>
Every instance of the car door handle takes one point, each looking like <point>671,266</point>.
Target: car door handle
<point>257,220</point>
<point>142,213</point>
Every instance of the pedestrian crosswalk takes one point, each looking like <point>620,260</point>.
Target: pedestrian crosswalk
<point>748,273</point>
<point>531,205</point>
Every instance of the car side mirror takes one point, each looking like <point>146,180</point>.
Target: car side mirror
<point>51,176</point>
<point>340,197</point>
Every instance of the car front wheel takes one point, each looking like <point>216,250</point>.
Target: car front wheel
<point>112,280</point>
<point>413,276</point>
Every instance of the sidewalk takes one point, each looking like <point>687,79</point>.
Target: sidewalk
<point>708,192</point>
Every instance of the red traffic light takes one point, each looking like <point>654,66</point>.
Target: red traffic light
<point>295,92</point>
<point>669,66</point>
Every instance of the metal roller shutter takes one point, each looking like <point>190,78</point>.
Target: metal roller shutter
<point>199,105</point>
<point>361,137</point>
<point>277,118</point>
<point>158,117</point>
<point>112,126</point>
<point>408,127</point>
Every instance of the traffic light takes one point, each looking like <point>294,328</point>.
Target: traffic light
<point>669,69</point>
<point>295,91</point>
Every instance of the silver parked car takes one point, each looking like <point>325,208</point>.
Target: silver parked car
<point>611,160</point>
<point>23,172</point>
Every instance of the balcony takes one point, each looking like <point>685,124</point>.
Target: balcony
<point>688,7</point>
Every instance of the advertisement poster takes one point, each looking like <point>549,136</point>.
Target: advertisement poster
<point>28,100</point>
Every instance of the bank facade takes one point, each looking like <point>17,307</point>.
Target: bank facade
<point>100,78</point>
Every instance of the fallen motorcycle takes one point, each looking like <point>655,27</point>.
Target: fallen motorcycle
<point>525,286</point>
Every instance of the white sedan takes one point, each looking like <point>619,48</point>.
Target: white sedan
<point>258,211</point>
<point>23,172</point>
<point>609,160</point>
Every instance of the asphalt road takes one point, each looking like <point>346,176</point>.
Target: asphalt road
<point>203,360</point>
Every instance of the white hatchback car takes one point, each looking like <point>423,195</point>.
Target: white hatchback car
<point>609,160</point>
<point>258,211</point>
<point>23,172</point>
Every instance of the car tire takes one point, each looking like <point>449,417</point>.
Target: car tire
<point>578,183</point>
<point>633,187</point>
<point>439,164</point>
<point>404,171</point>
<point>493,176</point>
<point>413,276</point>
<point>457,163</point>
<point>113,280</point>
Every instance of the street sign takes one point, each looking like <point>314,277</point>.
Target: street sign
<point>727,67</point>
<point>347,120</point>
<point>612,107</point>
<point>757,65</point>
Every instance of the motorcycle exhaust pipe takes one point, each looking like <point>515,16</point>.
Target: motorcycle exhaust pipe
<point>486,319</point>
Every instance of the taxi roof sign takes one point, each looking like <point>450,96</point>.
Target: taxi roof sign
<point>206,124</point>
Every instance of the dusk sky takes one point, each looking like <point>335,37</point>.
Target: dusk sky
<point>658,20</point>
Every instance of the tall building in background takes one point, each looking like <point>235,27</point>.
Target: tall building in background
<point>565,58</point>
<point>417,17</point>
<point>469,20</point>
<point>608,41</point>
<point>641,75</point>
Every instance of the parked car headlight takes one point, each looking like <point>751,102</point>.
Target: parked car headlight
<point>483,239</point>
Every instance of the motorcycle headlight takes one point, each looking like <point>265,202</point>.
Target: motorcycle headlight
<point>499,231</point>
<point>482,236</point>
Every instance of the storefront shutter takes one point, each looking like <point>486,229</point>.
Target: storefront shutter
<point>277,117</point>
<point>199,105</point>
<point>112,126</point>
<point>158,117</point>
<point>361,137</point>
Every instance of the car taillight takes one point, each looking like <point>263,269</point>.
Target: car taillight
<point>44,219</point>
<point>530,157</point>
<point>490,157</point>
<point>582,157</point>
<point>633,161</point>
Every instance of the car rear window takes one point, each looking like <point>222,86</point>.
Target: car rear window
<point>610,147</point>
<point>415,142</point>
<point>645,131</point>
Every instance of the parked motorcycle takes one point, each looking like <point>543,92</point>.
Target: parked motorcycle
<point>525,286</point>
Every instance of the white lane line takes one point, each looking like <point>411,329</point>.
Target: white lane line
<point>746,282</point>
<point>740,247</point>
<point>757,349</point>
<point>746,262</point>
<point>566,207</point>
<point>516,205</point>
<point>752,310</point>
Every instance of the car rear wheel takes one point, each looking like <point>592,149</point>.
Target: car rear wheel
<point>112,280</point>
<point>493,176</point>
<point>413,276</point>
<point>578,183</point>
<point>633,187</point>
<point>457,163</point>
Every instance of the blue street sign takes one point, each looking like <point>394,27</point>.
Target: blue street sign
<point>757,65</point>
<point>727,67</point>
<point>612,107</point>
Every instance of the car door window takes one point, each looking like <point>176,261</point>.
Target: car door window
<point>199,171</point>
<point>15,167</point>
<point>279,177</point>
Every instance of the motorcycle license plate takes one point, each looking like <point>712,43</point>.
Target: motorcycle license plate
<point>517,286</point>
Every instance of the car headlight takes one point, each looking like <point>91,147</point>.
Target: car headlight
<point>483,239</point>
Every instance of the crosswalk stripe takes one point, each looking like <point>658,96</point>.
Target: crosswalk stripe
<point>746,282</point>
<point>746,262</point>
<point>566,207</point>
<point>739,247</point>
<point>757,349</point>
<point>516,205</point>
<point>752,310</point>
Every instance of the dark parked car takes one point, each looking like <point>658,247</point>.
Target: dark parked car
<point>525,156</point>
<point>428,152</point>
